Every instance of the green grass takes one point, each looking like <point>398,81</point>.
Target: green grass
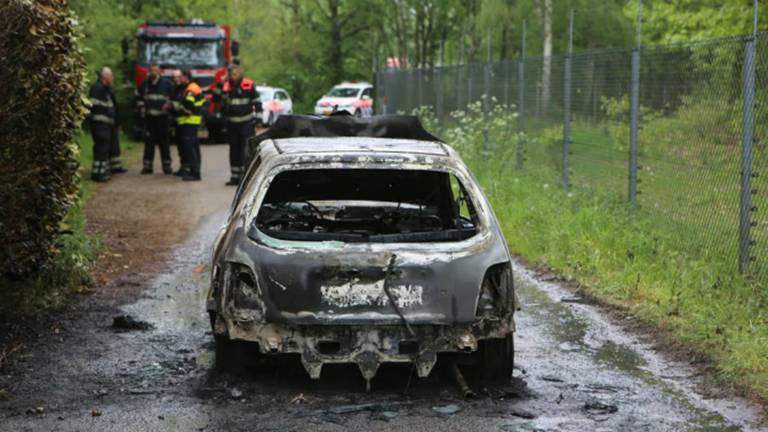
<point>68,271</point>
<point>673,262</point>
<point>631,262</point>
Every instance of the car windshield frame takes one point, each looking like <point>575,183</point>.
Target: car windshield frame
<point>178,52</point>
<point>346,92</point>
<point>470,191</point>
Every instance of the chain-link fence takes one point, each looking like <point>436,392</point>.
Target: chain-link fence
<point>678,133</point>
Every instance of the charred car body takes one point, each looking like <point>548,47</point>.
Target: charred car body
<point>361,241</point>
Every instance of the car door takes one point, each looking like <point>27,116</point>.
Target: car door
<point>287,102</point>
<point>266,96</point>
<point>284,100</point>
<point>367,102</point>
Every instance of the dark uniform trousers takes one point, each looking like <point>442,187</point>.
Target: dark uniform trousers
<point>114,149</point>
<point>103,121</point>
<point>102,134</point>
<point>156,134</point>
<point>239,134</point>
<point>190,147</point>
<point>182,157</point>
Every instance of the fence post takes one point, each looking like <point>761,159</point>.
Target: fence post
<point>438,73</point>
<point>506,82</point>
<point>521,106</point>
<point>634,112</point>
<point>567,112</point>
<point>469,84</point>
<point>459,88</point>
<point>567,123</point>
<point>634,121</point>
<point>748,123</point>
<point>487,93</point>
<point>420,100</point>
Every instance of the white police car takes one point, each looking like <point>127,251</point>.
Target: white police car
<point>275,101</point>
<point>353,97</point>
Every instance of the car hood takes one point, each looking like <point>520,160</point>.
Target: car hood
<point>332,101</point>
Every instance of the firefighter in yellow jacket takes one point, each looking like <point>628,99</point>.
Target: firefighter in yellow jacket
<point>188,106</point>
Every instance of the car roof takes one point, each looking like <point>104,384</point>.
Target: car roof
<point>270,89</point>
<point>353,85</point>
<point>344,144</point>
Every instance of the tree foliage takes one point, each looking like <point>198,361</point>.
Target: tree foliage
<point>308,45</point>
<point>673,21</point>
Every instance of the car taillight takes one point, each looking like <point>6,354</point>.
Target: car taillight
<point>243,288</point>
<point>496,292</point>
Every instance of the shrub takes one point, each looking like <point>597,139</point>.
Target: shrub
<point>41,110</point>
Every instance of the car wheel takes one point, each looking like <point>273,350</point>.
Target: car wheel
<point>271,119</point>
<point>226,353</point>
<point>358,113</point>
<point>212,318</point>
<point>235,356</point>
<point>497,358</point>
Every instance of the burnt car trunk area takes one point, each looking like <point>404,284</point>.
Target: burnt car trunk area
<point>366,205</point>
<point>367,246</point>
<point>353,288</point>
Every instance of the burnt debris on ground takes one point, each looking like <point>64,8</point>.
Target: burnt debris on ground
<point>129,323</point>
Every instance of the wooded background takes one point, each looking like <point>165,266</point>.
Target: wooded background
<point>307,46</point>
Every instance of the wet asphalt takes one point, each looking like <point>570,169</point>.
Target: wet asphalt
<point>575,371</point>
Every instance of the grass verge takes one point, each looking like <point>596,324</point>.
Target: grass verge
<point>68,272</point>
<point>671,263</point>
<point>591,240</point>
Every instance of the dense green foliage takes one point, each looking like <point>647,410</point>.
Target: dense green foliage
<point>307,46</point>
<point>41,110</point>
<point>68,269</point>
<point>672,21</point>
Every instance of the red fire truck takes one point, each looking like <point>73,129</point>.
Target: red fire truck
<point>203,47</point>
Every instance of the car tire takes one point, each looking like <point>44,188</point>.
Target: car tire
<point>212,319</point>
<point>226,353</point>
<point>497,359</point>
<point>271,119</point>
<point>358,113</point>
<point>235,356</point>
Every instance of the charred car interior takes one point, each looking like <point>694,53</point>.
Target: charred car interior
<point>367,205</point>
<point>363,241</point>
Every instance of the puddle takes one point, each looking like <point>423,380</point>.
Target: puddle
<point>569,360</point>
<point>591,357</point>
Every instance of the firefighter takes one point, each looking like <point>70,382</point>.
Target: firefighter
<point>153,95</point>
<point>173,107</point>
<point>189,108</point>
<point>241,108</point>
<point>103,124</point>
<point>115,164</point>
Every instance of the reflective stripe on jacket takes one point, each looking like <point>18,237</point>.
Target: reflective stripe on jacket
<point>240,101</point>
<point>103,108</point>
<point>190,105</point>
<point>154,95</point>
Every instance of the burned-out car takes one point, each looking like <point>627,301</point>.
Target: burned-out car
<point>362,241</point>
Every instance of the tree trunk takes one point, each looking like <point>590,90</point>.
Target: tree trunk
<point>336,53</point>
<point>546,15</point>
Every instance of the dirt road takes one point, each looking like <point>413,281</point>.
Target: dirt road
<point>576,371</point>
